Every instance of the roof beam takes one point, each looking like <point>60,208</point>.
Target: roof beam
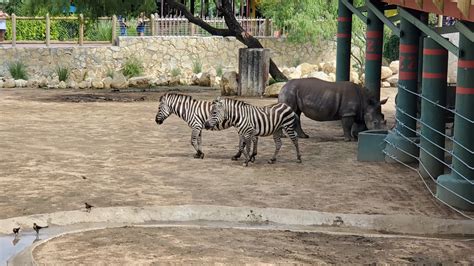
<point>382,17</point>
<point>355,11</point>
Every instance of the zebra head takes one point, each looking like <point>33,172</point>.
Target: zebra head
<point>217,114</point>
<point>164,110</point>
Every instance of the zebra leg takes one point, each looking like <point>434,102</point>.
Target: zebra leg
<point>254,152</point>
<point>241,148</point>
<point>199,141</point>
<point>247,143</point>
<point>277,139</point>
<point>294,138</point>
<point>195,135</point>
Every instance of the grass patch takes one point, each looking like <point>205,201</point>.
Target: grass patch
<point>132,68</point>
<point>63,73</point>
<point>219,70</point>
<point>18,70</point>
<point>197,66</point>
<point>175,72</point>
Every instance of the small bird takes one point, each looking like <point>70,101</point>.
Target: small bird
<point>88,207</point>
<point>37,228</point>
<point>16,231</point>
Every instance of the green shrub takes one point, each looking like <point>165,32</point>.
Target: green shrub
<point>197,66</point>
<point>99,31</point>
<point>219,71</point>
<point>132,68</point>
<point>391,50</point>
<point>18,70</point>
<point>63,73</point>
<point>175,72</point>
<point>110,73</point>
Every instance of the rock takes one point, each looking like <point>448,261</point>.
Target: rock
<point>274,89</point>
<point>174,81</point>
<point>160,81</point>
<point>286,71</point>
<point>354,77</point>
<point>72,84</point>
<point>296,74</point>
<point>329,67</point>
<point>395,66</point>
<point>97,84</point>
<point>9,83</point>
<point>229,83</point>
<point>385,84</point>
<point>386,72</point>
<point>332,77</point>
<point>43,82</point>
<point>32,83</point>
<point>195,79</point>
<point>62,85</point>
<point>139,82</point>
<point>119,81</point>
<point>1,83</point>
<point>393,80</point>
<point>306,68</point>
<point>319,75</point>
<point>205,79</point>
<point>362,79</point>
<point>20,83</point>
<point>107,82</point>
<point>85,84</point>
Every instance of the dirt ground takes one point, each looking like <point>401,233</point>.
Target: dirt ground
<point>61,148</point>
<point>141,246</point>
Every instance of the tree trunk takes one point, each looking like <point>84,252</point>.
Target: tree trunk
<point>233,29</point>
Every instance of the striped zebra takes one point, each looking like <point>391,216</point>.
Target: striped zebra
<point>252,121</point>
<point>195,113</point>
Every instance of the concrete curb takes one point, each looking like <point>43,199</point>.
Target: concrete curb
<point>398,224</point>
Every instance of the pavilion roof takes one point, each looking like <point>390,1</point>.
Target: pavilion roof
<point>460,9</point>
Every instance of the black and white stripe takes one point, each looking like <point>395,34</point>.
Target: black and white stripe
<point>194,113</point>
<point>252,121</point>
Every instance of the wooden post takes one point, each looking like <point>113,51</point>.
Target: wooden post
<point>48,30</point>
<point>114,28</point>
<point>13,30</point>
<point>267,27</point>
<point>254,66</point>
<point>152,25</point>
<point>81,29</point>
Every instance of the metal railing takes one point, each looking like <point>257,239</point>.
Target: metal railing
<point>65,30</point>
<point>431,181</point>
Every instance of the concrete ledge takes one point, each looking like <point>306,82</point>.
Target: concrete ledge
<point>400,224</point>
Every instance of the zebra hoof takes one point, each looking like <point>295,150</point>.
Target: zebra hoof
<point>298,160</point>
<point>252,158</point>
<point>199,155</point>
<point>271,161</point>
<point>234,158</point>
<point>245,164</point>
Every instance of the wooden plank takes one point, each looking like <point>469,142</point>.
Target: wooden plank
<point>439,4</point>
<point>419,3</point>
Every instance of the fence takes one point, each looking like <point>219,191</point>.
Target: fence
<point>416,137</point>
<point>180,26</point>
<point>48,30</point>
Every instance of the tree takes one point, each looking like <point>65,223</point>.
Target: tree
<point>234,29</point>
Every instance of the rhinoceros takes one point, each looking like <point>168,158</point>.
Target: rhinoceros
<point>328,101</point>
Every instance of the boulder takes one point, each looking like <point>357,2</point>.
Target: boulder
<point>394,66</point>
<point>160,81</point>
<point>386,72</point>
<point>296,74</point>
<point>205,79</point>
<point>385,84</point>
<point>72,84</point>
<point>174,81</point>
<point>230,83</point>
<point>319,75</point>
<point>332,77</point>
<point>62,85</point>
<point>306,68</point>
<point>119,81</point>
<point>21,83</point>
<point>354,77</point>
<point>85,84</point>
<point>107,82</point>
<point>329,67</point>
<point>43,82</point>
<point>9,83</point>
<point>139,82</point>
<point>1,83</point>
<point>274,89</point>
<point>393,80</point>
<point>97,84</point>
<point>32,83</point>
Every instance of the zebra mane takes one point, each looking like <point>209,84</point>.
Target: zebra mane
<point>236,101</point>
<point>178,95</point>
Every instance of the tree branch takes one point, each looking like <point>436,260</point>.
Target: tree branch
<point>198,21</point>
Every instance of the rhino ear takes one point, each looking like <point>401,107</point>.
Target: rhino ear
<point>384,101</point>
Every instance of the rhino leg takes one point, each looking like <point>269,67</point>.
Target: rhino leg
<point>347,122</point>
<point>298,128</point>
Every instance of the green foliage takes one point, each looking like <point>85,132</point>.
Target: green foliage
<point>35,30</point>
<point>219,70</point>
<point>18,70</point>
<point>94,8</point>
<point>99,31</point>
<point>175,72</point>
<point>63,73</point>
<point>132,67</point>
<point>197,66</point>
<point>391,48</point>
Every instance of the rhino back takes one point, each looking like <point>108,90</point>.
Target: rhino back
<point>321,100</point>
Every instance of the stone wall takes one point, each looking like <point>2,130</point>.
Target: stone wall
<point>159,56</point>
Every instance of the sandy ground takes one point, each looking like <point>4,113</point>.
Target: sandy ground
<point>125,246</point>
<point>56,155</point>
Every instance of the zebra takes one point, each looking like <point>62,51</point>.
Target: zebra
<point>252,121</point>
<point>194,113</point>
